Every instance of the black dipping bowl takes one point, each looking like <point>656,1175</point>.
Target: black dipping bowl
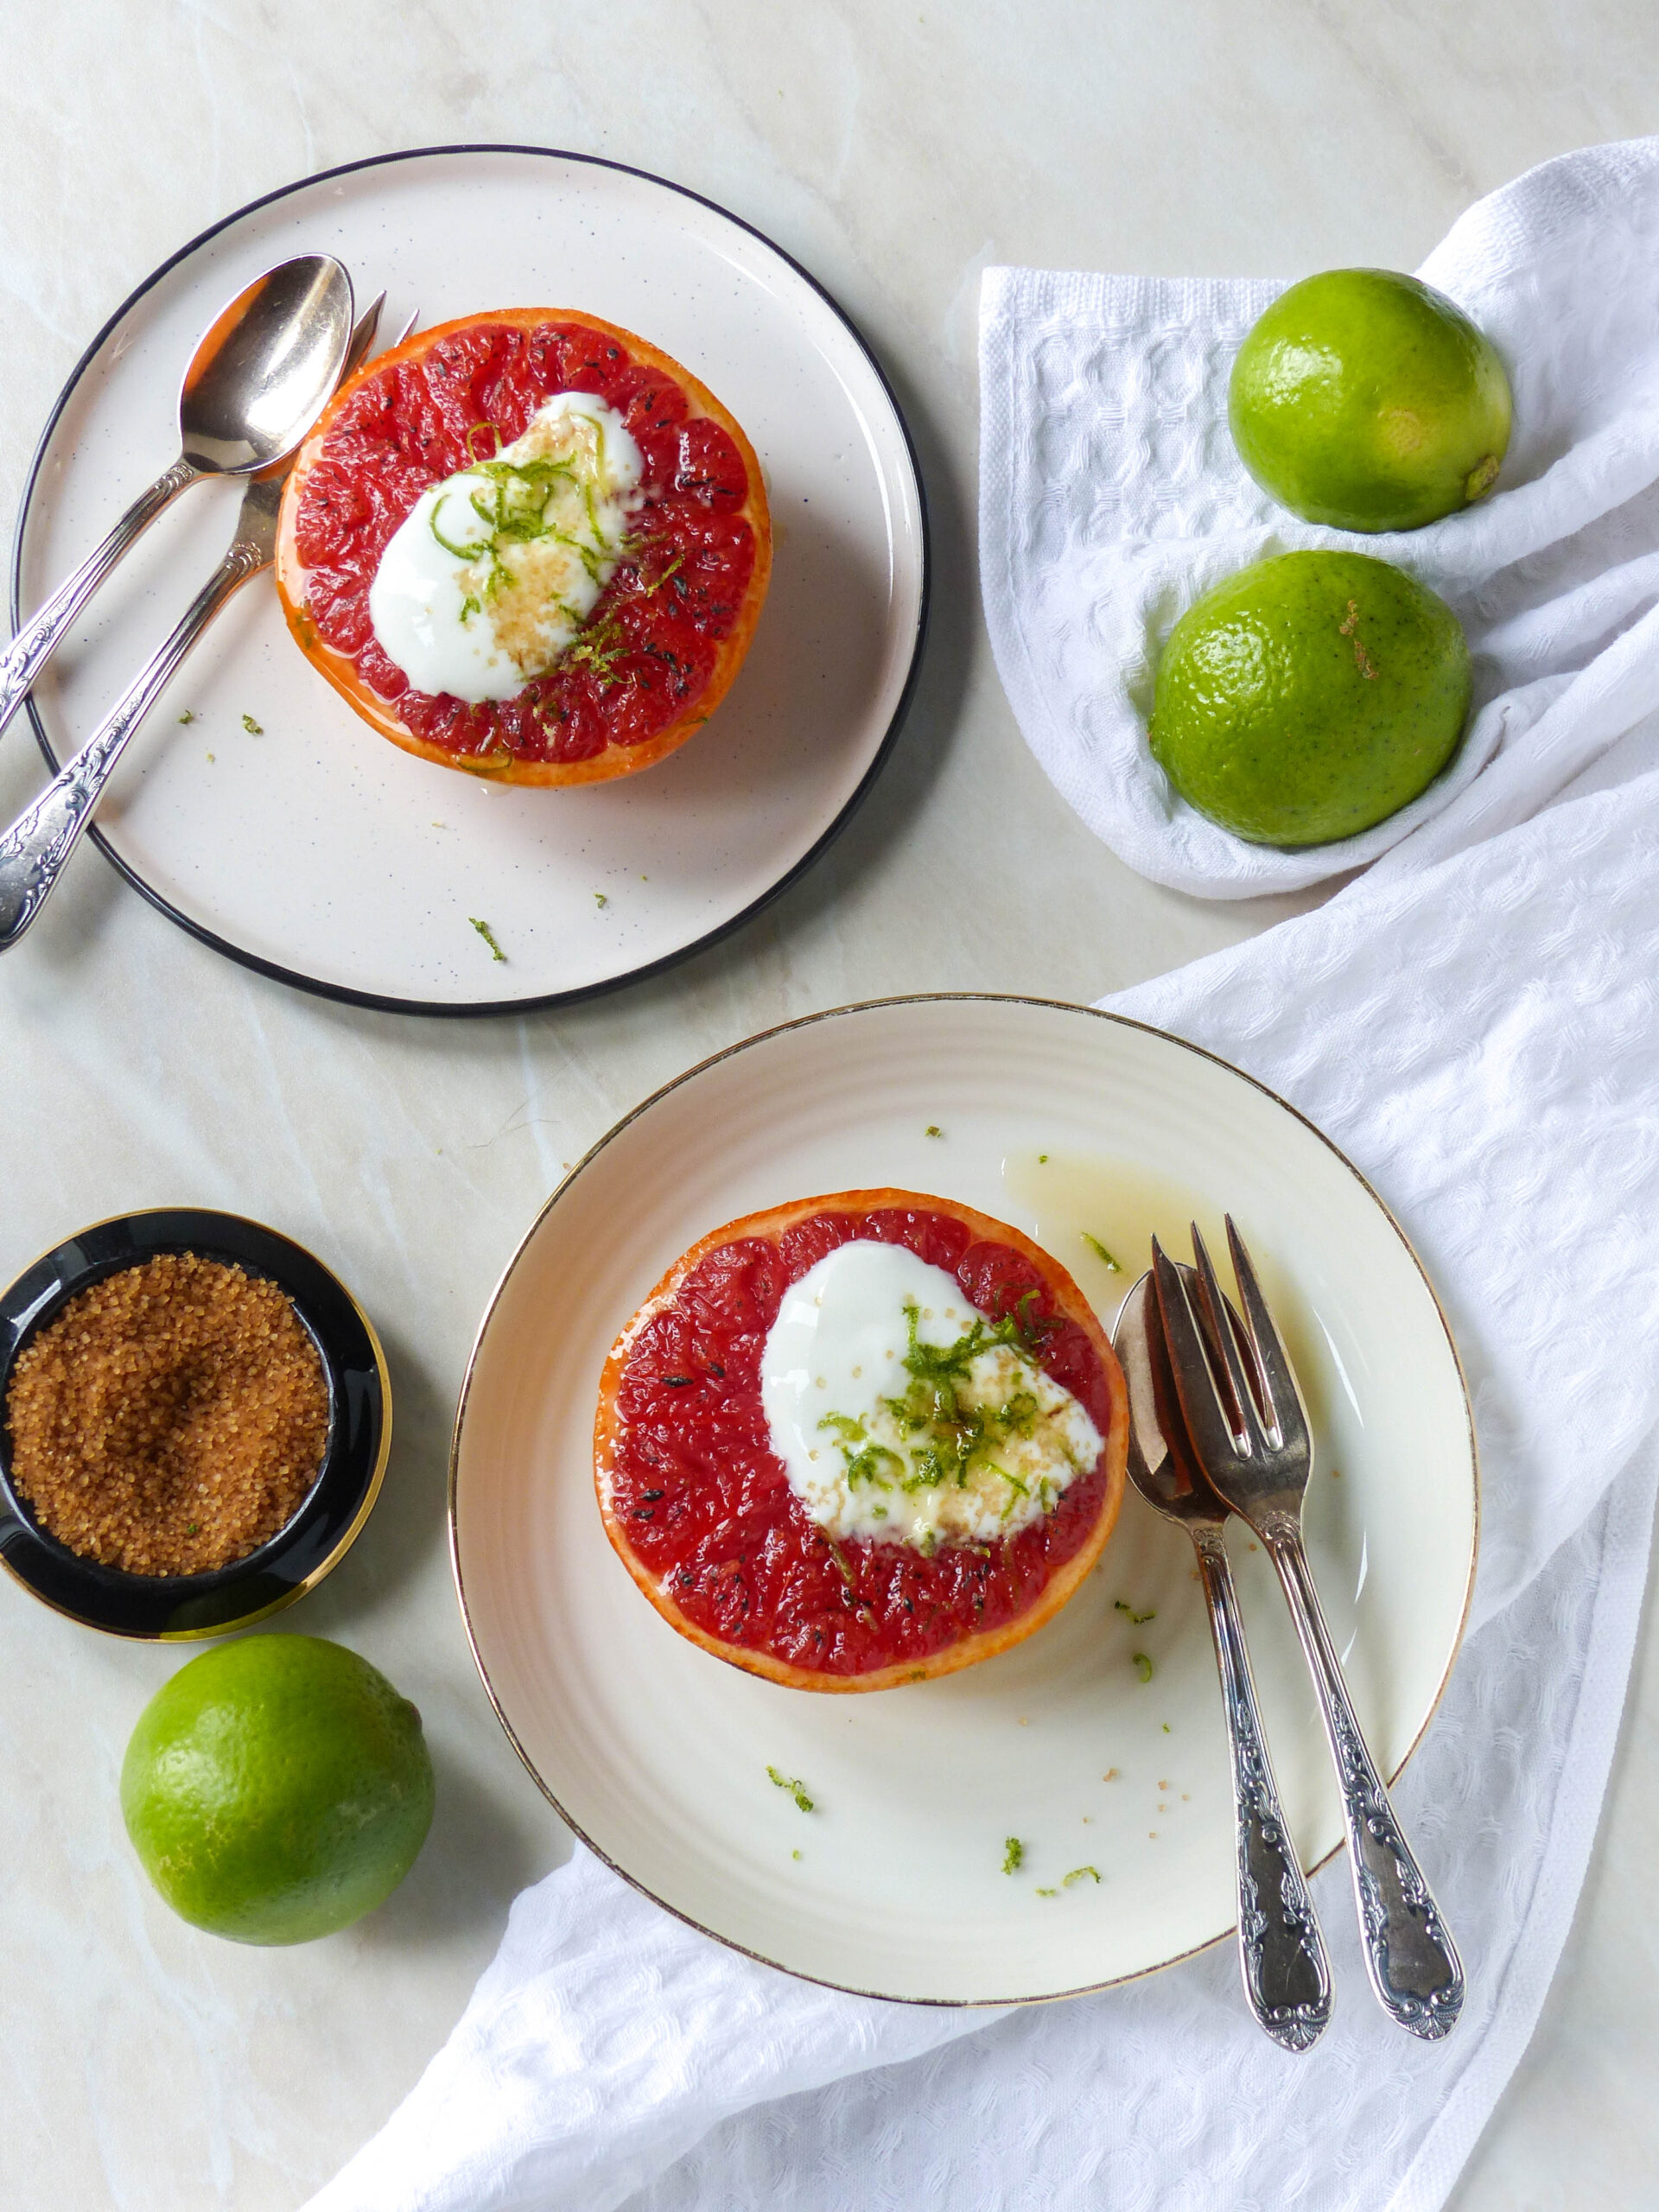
<point>180,1606</point>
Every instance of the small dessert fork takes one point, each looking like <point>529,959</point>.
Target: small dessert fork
<point>1247,1426</point>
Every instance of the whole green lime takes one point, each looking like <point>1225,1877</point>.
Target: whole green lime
<point>277,1788</point>
<point>1309,696</point>
<point>1364,399</point>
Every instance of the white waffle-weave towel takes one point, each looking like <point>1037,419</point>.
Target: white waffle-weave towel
<point>1483,1039</point>
<point>1111,497</point>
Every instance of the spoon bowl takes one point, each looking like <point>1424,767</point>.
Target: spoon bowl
<point>264,370</point>
<point>1162,1464</point>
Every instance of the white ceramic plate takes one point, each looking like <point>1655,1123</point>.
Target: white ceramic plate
<point>658,1753</point>
<point>319,853</point>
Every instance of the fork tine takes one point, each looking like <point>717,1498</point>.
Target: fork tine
<point>1196,1385</point>
<point>1241,1338</point>
<point>1248,1428</point>
<point>363,335</point>
<point>1284,1398</point>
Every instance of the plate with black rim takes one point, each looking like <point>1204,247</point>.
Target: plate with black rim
<point>328,1518</point>
<point>1098,1745</point>
<point>258,811</point>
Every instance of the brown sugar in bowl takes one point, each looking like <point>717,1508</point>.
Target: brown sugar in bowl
<point>218,1360</point>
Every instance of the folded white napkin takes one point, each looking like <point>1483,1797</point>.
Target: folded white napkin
<point>1483,1039</point>
<point>1110,497</point>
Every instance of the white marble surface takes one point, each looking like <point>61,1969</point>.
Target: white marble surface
<point>896,151</point>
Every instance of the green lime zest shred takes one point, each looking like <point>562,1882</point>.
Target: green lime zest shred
<point>674,565</point>
<point>459,552</point>
<point>1013,1855</point>
<point>1135,1619</point>
<point>795,1788</point>
<point>954,1438</point>
<point>1101,1253</point>
<point>251,727</point>
<point>1143,1666</point>
<point>488,936</point>
<point>1078,1874</point>
<point>598,649</point>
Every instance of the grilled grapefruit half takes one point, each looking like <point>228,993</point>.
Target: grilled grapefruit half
<point>674,620</point>
<point>801,1584</point>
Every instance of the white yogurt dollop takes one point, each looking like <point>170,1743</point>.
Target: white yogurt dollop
<point>875,1448</point>
<point>491,574</point>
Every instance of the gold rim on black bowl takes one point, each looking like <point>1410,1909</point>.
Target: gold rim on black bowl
<point>183,1608</point>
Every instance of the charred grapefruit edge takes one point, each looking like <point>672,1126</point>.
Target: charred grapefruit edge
<point>769,1223</point>
<point>616,760</point>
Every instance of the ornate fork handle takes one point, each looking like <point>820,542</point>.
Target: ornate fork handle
<point>39,636</point>
<point>1409,1954</point>
<point>34,850</point>
<point>1281,1949</point>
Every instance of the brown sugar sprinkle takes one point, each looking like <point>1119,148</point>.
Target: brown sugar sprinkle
<point>171,1419</point>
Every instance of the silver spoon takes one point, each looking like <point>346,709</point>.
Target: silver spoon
<point>252,389</point>
<point>1280,1951</point>
<point>34,850</point>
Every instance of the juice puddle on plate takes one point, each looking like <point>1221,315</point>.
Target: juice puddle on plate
<point>1098,1215</point>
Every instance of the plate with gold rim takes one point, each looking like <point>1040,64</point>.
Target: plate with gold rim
<point>1098,1744</point>
<point>259,812</point>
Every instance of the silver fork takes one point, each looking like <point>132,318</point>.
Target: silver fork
<point>1248,1425</point>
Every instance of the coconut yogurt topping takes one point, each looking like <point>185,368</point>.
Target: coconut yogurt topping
<point>901,1414</point>
<point>489,579</point>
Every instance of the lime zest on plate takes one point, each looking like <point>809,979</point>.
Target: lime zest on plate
<point>795,1788</point>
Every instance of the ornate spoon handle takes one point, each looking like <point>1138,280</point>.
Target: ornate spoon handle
<point>1281,1949</point>
<point>39,636</point>
<point>34,850</point>
<point>1410,1957</point>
